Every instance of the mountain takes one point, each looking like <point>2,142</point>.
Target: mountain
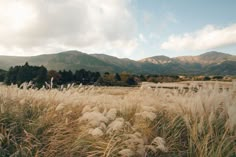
<point>210,63</point>
<point>69,60</point>
<point>208,58</point>
<point>120,64</point>
<point>7,61</point>
<point>225,68</point>
<point>74,60</point>
<point>157,60</point>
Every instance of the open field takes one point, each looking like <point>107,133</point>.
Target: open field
<point>114,121</point>
<point>189,84</point>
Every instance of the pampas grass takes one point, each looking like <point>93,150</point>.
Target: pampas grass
<point>113,121</point>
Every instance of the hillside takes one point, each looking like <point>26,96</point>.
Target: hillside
<point>69,60</point>
<point>7,61</point>
<point>210,63</point>
<point>207,58</point>
<point>157,60</point>
<point>120,64</point>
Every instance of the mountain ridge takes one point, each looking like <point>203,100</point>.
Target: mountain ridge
<point>205,58</point>
<point>207,63</point>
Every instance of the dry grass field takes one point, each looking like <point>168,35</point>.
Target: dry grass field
<point>112,121</point>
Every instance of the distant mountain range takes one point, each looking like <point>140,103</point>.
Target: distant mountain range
<point>210,63</point>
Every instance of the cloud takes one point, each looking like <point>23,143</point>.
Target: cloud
<point>32,27</point>
<point>209,37</point>
<point>142,38</point>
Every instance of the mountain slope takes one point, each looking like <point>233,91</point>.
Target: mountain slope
<point>214,63</point>
<point>157,60</point>
<point>69,60</point>
<point>212,57</point>
<point>74,60</point>
<point>7,61</point>
<point>120,64</point>
<point>225,68</point>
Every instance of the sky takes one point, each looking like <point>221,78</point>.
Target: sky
<point>132,29</point>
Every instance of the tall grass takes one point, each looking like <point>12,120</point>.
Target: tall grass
<point>112,121</point>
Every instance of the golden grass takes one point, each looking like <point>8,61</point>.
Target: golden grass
<point>112,121</point>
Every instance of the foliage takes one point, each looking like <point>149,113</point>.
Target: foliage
<point>26,73</point>
<point>86,77</point>
<point>39,75</point>
<point>2,75</point>
<point>123,79</point>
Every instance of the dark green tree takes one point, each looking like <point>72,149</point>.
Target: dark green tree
<point>41,76</point>
<point>11,76</point>
<point>131,81</point>
<point>66,76</point>
<point>2,75</point>
<point>117,77</point>
<point>26,73</point>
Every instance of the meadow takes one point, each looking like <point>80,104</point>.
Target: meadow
<point>146,121</point>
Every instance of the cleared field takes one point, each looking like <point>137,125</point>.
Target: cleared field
<point>189,84</point>
<point>115,121</point>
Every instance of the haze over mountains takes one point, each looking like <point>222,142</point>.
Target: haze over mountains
<point>210,63</point>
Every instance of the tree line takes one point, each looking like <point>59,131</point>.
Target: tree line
<point>38,75</point>
<point>26,73</point>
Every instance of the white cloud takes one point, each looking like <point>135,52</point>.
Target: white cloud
<point>142,38</point>
<point>209,37</point>
<point>31,27</point>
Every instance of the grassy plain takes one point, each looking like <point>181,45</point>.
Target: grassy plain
<point>112,121</point>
